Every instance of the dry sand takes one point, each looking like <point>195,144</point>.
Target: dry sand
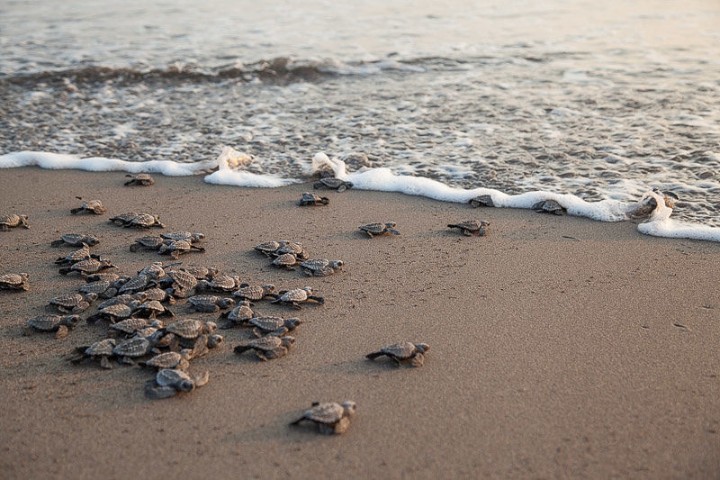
<point>561,347</point>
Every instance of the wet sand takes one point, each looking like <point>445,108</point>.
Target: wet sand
<point>561,347</point>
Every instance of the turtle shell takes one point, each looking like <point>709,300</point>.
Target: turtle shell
<point>14,220</point>
<point>295,295</point>
<point>14,281</point>
<point>191,237</point>
<point>173,360</point>
<point>130,325</point>
<point>254,292</point>
<point>188,328</point>
<point>285,260</point>
<point>76,240</point>
<point>241,313</point>
<point>145,220</point>
<point>133,347</point>
<point>141,179</point>
<point>176,378</point>
<point>135,284</point>
<point>183,279</point>
<point>50,323</point>
<point>268,248</point>
<point>102,348</point>
<point>401,351</point>
<point>152,242</point>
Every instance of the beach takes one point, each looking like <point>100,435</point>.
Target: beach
<point>561,347</point>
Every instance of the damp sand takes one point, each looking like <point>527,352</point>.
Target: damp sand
<point>561,347</point>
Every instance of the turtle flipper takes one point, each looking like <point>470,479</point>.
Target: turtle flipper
<point>418,360</point>
<point>154,391</point>
<point>374,355</point>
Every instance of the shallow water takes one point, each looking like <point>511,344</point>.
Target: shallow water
<point>598,101</point>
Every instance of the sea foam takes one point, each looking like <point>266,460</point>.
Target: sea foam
<point>228,169</point>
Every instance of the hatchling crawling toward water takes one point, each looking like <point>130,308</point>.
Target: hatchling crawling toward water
<point>220,282</point>
<point>152,309</point>
<point>237,316</point>
<point>86,267</point>
<point>73,302</point>
<point>379,229</point>
<point>14,281</point>
<point>13,221</point>
<point>549,206</point>
<point>90,206</point>
<point>169,382</point>
<point>254,293</point>
<point>150,242</point>
<point>266,348</point>
<point>130,326</point>
<point>101,350</point>
<point>140,179</point>
<point>330,418</point>
<point>469,228</point>
<point>76,240</point>
<point>209,303</point>
<point>287,261</point>
<point>192,237</point>
<point>403,352</point>
<point>271,325</point>
<point>321,267</point>
<point>268,248</point>
<point>175,248</point>
<point>59,324</point>
<point>312,200</point>
<point>83,253</point>
<point>101,288</point>
<point>113,313</point>
<point>191,328</point>
<point>297,296</point>
<point>144,220</point>
<point>177,360</point>
<point>132,348</point>
<point>294,248</point>
<point>481,201</point>
<point>332,183</point>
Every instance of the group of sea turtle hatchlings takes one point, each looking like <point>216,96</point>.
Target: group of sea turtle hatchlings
<point>134,306</point>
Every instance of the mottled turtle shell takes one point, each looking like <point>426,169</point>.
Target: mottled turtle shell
<point>152,309</point>
<point>76,240</point>
<point>123,299</point>
<point>404,350</point>
<point>133,347</point>
<point>549,206</point>
<point>137,283</point>
<point>192,237</point>
<point>145,220</point>
<point>74,302</point>
<point>264,345</point>
<point>14,281</point>
<point>102,348</point>
<point>113,313</point>
<point>103,276</point>
<point>254,292</point>
<point>172,360</point>
<point>83,253</point>
<point>311,199</point>
<point>152,242</point>
<point>329,412</point>
<point>188,328</point>
<point>378,228</point>
<point>268,248</point>
<point>333,184</point>
<point>156,294</point>
<point>183,279</point>
<point>97,287</point>
<point>471,227</point>
<point>51,323</point>
<point>220,282</point>
<point>239,314</point>
<point>481,201</point>
<point>321,267</point>
<point>153,271</point>
<point>90,206</point>
<point>90,265</point>
<point>272,324</point>
<point>294,248</point>
<point>295,295</point>
<point>13,220</point>
<point>286,260</point>
<point>129,325</point>
<point>209,303</point>
<point>123,218</point>
<point>140,179</point>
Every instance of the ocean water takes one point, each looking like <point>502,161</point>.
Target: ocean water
<point>592,104</point>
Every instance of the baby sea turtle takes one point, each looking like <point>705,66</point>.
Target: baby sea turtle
<point>404,352</point>
<point>100,288</point>
<point>169,382</point>
<point>268,248</point>
<point>321,267</point>
<point>312,200</point>
<point>254,293</point>
<point>132,348</point>
<point>220,282</point>
<point>156,293</point>
<point>150,242</point>
<point>154,271</point>
<point>144,220</point>
<point>297,296</point>
<point>287,261</point>
<point>177,247</point>
<point>86,267</point>
<point>209,303</point>
<point>192,237</point>
<point>329,417</point>
<point>122,299</point>
<point>14,281</point>
<point>132,325</point>
<point>59,324</point>
<point>112,313</point>
<point>72,302</point>
<point>294,248</point>
<point>152,309</point>
<point>135,284</point>
<point>238,315</point>
<point>13,221</point>
<point>140,179</point>
<point>176,360</point>
<point>375,229</point>
<point>82,253</point>
<point>469,228</point>
<point>76,240</point>
<point>549,206</point>
<point>332,184</point>
<point>190,328</point>
<point>481,201</point>
<point>182,282</point>
<point>101,350</point>
<point>123,218</point>
<point>266,348</point>
<point>90,206</point>
<point>271,325</point>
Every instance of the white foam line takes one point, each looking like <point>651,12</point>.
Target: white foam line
<point>247,179</point>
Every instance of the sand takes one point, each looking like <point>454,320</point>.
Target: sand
<point>561,347</point>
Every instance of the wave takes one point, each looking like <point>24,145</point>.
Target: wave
<point>228,169</point>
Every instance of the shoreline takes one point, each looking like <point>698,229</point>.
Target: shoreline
<point>561,346</point>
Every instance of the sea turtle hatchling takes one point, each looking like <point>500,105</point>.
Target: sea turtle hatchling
<point>481,201</point>
<point>294,248</point>
<point>86,267</point>
<point>152,309</point>
<point>76,240</point>
<point>297,296</point>
<point>175,248</point>
<point>271,325</point>
<point>123,218</point>
<point>182,283</point>
<point>179,360</point>
<point>101,288</point>
<point>132,325</point>
<point>190,328</point>
<point>332,183</point>
<point>101,350</point>
<point>309,199</point>
<point>268,248</point>
<point>14,281</point>
<point>140,179</point>
<point>287,261</point>
<point>330,418</point>
<point>149,242</point>
<point>60,324</point>
<point>113,313</point>
<point>470,228</point>
<point>90,206</point>
<point>321,267</point>
<point>549,206</point>
<point>132,348</point>
<point>209,303</point>
<point>82,253</point>
<point>220,282</point>
<point>378,229</point>
<point>13,221</point>
<point>192,237</point>
<point>266,348</point>
<point>237,316</point>
<point>144,220</point>
<point>72,302</point>
<point>169,382</point>
<point>403,352</point>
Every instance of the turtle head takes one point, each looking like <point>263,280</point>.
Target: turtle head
<point>185,386</point>
<point>226,303</point>
<point>349,408</point>
<point>292,323</point>
<point>390,224</point>
<point>422,347</point>
<point>287,340</point>
<point>210,326</point>
<point>269,288</point>
<point>71,320</point>
<point>336,264</point>
<point>215,340</point>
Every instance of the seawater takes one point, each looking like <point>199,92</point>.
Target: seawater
<point>589,103</point>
